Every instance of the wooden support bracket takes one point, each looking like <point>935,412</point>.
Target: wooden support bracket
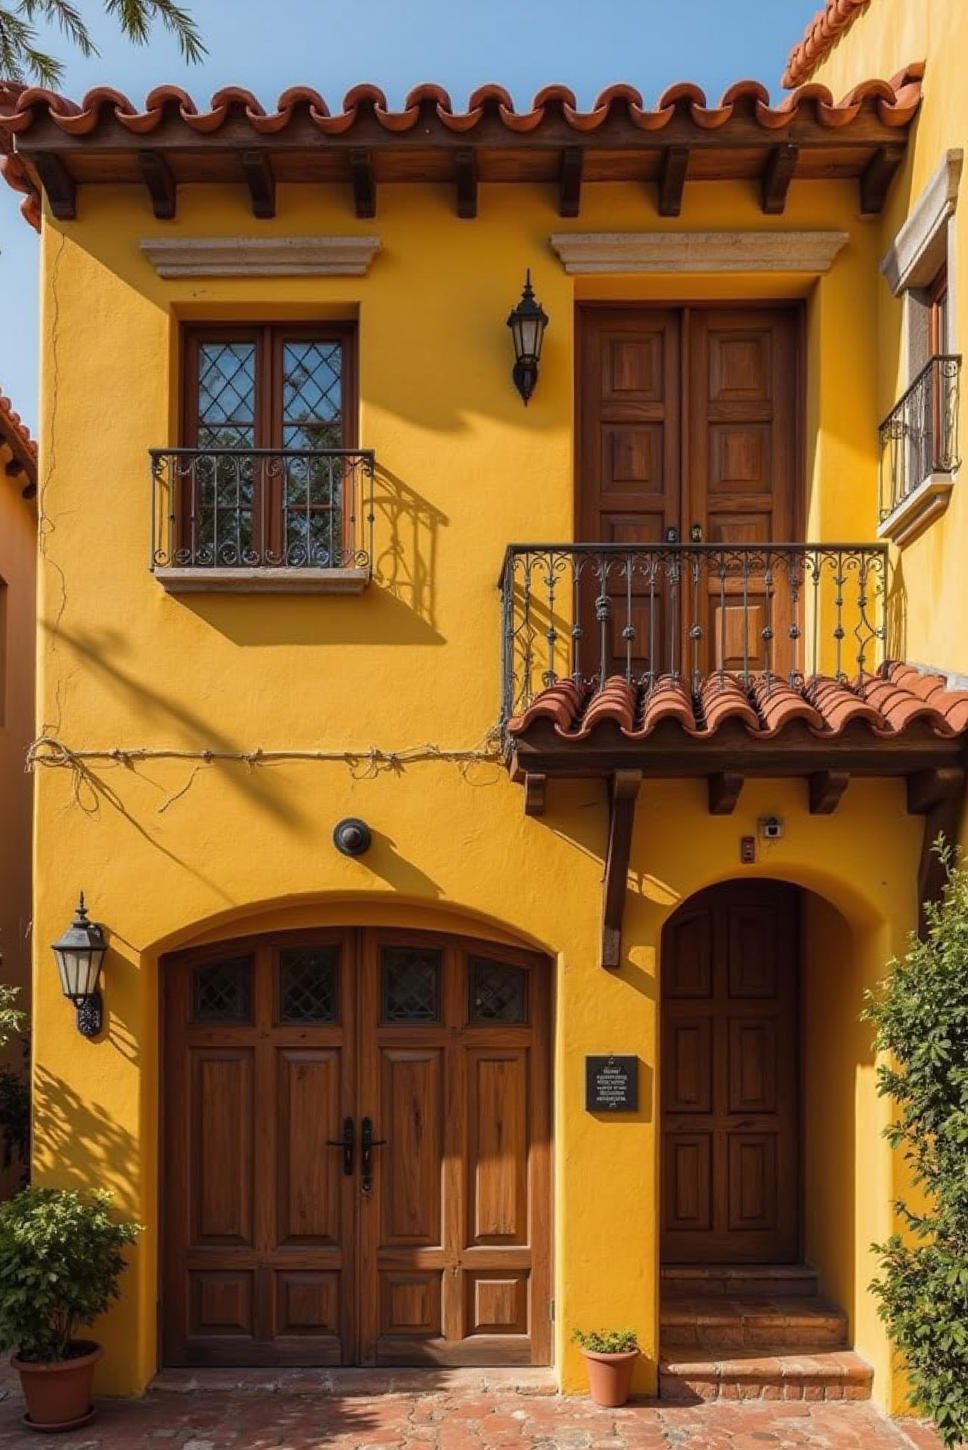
<point>777,175</point>
<point>569,181</point>
<point>672,180</point>
<point>257,170</point>
<point>466,173</point>
<point>58,183</point>
<point>826,790</point>
<point>939,796</point>
<point>364,186</point>
<point>157,177</point>
<point>535,793</point>
<point>724,789</point>
<point>623,794</point>
<point>877,176</point>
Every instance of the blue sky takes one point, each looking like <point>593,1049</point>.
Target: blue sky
<point>332,44</point>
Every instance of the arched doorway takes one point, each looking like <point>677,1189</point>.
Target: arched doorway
<point>731,1150</point>
<point>357,1151</point>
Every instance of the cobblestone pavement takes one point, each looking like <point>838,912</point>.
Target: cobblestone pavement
<point>291,1415</point>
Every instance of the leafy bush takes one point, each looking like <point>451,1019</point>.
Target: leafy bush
<point>606,1341</point>
<point>60,1263</point>
<point>11,1018</point>
<point>920,1015</point>
<point>14,1086</point>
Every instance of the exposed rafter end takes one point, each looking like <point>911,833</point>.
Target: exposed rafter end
<point>466,176</point>
<point>939,796</point>
<point>724,792</point>
<point>569,181</point>
<point>672,180</point>
<point>535,794</point>
<point>257,170</point>
<point>826,790</point>
<point>623,794</point>
<point>364,185</point>
<point>781,163</point>
<point>877,176</point>
<point>58,183</point>
<point>157,177</point>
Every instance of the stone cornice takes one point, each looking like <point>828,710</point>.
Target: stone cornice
<point>697,252</point>
<point>260,256</point>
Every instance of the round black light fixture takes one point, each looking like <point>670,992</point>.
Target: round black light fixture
<point>352,837</point>
<point>527,322</point>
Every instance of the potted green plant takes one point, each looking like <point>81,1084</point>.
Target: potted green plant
<point>61,1259</point>
<point>610,1356</point>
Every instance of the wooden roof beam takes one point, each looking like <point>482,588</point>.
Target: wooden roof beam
<point>466,175</point>
<point>364,185</point>
<point>724,792</point>
<point>257,170</point>
<point>939,796</point>
<point>781,163</point>
<point>569,181</point>
<point>877,176</point>
<point>672,180</point>
<point>535,793</point>
<point>58,183</point>
<point>157,177</point>
<point>623,794</point>
<point>826,790</point>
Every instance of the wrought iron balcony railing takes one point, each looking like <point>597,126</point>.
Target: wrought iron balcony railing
<point>919,436</point>
<point>261,508</point>
<point>778,611</point>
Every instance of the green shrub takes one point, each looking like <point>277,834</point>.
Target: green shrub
<point>606,1341</point>
<point>61,1258</point>
<point>920,1015</point>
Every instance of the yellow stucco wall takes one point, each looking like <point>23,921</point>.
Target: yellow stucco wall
<point>168,849</point>
<point>18,548</point>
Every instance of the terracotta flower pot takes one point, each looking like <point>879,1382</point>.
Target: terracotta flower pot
<point>610,1376</point>
<point>58,1395</point>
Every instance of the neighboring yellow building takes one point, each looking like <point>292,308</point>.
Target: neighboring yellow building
<point>18,602</point>
<point>493,826</point>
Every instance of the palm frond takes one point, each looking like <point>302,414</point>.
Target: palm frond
<point>20,58</point>
<point>135,18</point>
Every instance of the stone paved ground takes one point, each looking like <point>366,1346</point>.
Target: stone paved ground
<point>290,1415</point>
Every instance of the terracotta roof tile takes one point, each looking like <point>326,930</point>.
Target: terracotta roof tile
<point>887,703</point>
<point>819,38</point>
<point>16,435</point>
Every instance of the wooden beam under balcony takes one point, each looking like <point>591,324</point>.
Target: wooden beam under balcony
<point>724,791</point>
<point>623,794</point>
<point>777,175</point>
<point>465,167</point>
<point>364,186</point>
<point>826,790</point>
<point>58,183</point>
<point>672,180</point>
<point>257,170</point>
<point>160,184</point>
<point>876,178</point>
<point>937,794</point>
<point>569,182</point>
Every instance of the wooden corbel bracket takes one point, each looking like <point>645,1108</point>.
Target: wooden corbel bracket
<point>939,796</point>
<point>623,794</point>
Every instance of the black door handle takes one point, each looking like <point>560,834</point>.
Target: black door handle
<point>347,1143</point>
<point>367,1144</point>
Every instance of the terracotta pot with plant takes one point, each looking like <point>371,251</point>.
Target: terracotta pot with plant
<point>610,1356</point>
<point>61,1260</point>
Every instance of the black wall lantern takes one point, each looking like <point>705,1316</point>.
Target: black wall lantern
<point>79,954</point>
<point>527,322</point>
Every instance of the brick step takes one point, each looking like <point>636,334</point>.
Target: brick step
<point>738,1281</point>
<point>794,1323</point>
<point>837,1374</point>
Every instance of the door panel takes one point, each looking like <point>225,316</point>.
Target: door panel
<point>730,1123</point>
<point>276,1255</point>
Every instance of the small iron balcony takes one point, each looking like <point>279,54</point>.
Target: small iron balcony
<point>646,613</point>
<point>286,518</point>
<point>919,436</point>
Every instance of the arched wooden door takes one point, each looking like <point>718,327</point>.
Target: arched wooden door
<point>357,1152</point>
<point>730,1055</point>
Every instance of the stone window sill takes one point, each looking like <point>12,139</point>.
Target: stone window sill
<point>921,507</point>
<point>263,581</point>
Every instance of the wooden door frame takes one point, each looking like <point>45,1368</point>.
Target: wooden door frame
<point>356,939</point>
<point>799,1074</point>
<point>585,307</point>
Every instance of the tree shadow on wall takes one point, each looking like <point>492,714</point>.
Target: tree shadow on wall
<point>77,1135</point>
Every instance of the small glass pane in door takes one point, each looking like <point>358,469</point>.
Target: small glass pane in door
<point>497,991</point>
<point>222,991</point>
<point>309,984</point>
<point>410,984</point>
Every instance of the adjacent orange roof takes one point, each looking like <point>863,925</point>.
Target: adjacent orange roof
<point>100,137</point>
<point>16,435</point>
<point>820,37</point>
<point>887,704</point>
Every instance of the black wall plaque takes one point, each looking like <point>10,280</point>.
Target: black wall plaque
<point>612,1084</point>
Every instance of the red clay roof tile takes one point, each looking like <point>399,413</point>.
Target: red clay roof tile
<point>887,703</point>
<point>16,435</point>
<point>819,38</point>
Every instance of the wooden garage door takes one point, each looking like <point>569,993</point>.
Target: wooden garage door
<point>730,1121</point>
<point>357,1161</point>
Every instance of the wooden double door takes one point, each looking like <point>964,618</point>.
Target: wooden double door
<point>357,1152</point>
<point>689,431</point>
<point>730,1054</point>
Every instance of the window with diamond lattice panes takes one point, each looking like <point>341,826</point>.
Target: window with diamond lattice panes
<point>410,984</point>
<point>497,991</point>
<point>222,991</point>
<point>309,984</point>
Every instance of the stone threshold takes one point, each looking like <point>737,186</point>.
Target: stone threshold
<point>347,1383</point>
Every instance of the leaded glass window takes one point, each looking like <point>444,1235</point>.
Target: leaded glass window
<point>497,991</point>
<point>309,984</point>
<point>222,991</point>
<point>410,986</point>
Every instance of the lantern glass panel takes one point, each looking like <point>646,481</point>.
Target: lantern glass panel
<point>80,969</point>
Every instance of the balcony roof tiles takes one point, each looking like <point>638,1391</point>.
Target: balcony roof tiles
<point>820,37</point>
